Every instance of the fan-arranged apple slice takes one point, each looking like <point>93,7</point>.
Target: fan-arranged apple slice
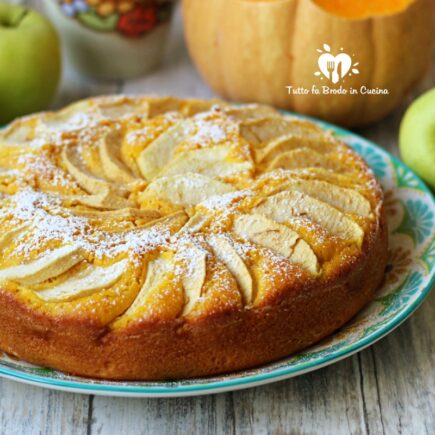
<point>348,200</point>
<point>85,282</point>
<point>106,200</point>
<point>196,222</point>
<point>194,265</point>
<point>19,132</point>
<point>250,112</point>
<point>91,183</point>
<point>9,236</point>
<point>72,118</point>
<point>260,131</point>
<point>212,162</point>
<point>114,168</point>
<point>226,253</point>
<point>172,222</point>
<point>304,158</point>
<point>284,204</point>
<point>49,265</point>
<point>328,175</point>
<point>122,106</point>
<point>157,270</point>
<point>159,152</point>
<point>122,213</point>
<point>276,237</point>
<point>187,189</point>
<point>319,142</point>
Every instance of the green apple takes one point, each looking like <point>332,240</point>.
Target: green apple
<point>417,137</point>
<point>30,62</point>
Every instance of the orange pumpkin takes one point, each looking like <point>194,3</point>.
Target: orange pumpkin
<point>252,50</point>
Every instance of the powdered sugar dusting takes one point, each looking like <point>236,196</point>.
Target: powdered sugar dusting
<point>49,221</point>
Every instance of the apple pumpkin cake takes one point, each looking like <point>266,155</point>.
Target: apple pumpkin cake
<point>155,238</point>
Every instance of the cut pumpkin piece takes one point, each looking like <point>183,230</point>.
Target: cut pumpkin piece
<point>159,152</point>
<point>91,183</point>
<point>194,261</point>
<point>187,189</point>
<point>348,200</point>
<point>260,131</point>
<point>226,253</point>
<point>284,204</point>
<point>278,238</point>
<point>319,142</point>
<point>304,158</point>
<point>110,155</point>
<point>157,270</point>
<point>49,265</point>
<point>212,162</point>
<point>84,283</point>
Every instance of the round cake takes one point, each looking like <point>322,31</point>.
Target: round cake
<point>148,238</point>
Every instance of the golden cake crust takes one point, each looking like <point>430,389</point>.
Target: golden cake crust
<point>297,304</point>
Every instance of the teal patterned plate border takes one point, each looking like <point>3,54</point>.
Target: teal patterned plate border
<point>409,278</point>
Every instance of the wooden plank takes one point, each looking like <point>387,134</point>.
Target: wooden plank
<point>328,401</point>
<point>399,377</point>
<point>32,410</point>
<point>198,415</point>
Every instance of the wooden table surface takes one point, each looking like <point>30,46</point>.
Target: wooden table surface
<point>388,388</point>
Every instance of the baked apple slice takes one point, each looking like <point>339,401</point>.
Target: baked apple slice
<point>276,237</point>
<point>187,189</point>
<point>305,158</point>
<point>161,295</point>
<point>260,131</point>
<point>85,282</point>
<point>52,263</point>
<point>212,162</point>
<point>159,152</point>
<point>319,142</point>
<point>343,198</point>
<point>250,112</point>
<point>194,267</point>
<point>9,236</point>
<point>106,200</point>
<point>280,206</point>
<point>110,156</point>
<point>74,164</point>
<point>226,253</point>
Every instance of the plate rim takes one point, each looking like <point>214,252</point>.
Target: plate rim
<point>120,389</point>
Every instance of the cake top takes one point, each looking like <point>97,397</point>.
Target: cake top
<point>163,208</point>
